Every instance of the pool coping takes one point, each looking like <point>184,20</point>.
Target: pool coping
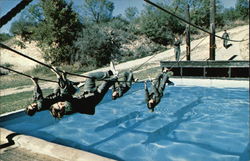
<point>41,146</point>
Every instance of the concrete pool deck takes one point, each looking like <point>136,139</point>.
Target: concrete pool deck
<point>30,148</point>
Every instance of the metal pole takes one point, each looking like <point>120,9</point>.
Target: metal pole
<point>212,28</point>
<point>188,46</point>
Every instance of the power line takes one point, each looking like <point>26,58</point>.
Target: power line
<point>159,7</point>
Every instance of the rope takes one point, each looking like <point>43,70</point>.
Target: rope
<point>19,53</point>
<point>13,12</point>
<point>145,61</point>
<point>26,74</point>
<point>157,6</point>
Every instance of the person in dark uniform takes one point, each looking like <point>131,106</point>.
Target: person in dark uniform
<point>153,97</point>
<point>177,48</point>
<point>92,95</point>
<point>63,91</point>
<point>40,103</point>
<point>225,41</point>
<point>123,86</point>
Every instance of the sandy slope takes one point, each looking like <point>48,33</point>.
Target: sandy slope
<point>201,52</point>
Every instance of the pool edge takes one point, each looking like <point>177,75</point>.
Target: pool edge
<point>41,146</point>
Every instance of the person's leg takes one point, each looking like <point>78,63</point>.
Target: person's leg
<point>163,82</point>
<point>103,88</point>
<point>156,82</point>
<point>90,85</point>
<point>178,53</point>
<point>129,79</point>
<point>37,93</point>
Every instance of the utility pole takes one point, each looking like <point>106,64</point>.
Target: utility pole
<point>212,45</point>
<point>188,34</point>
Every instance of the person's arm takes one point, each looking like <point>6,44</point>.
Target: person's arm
<point>37,93</point>
<point>146,92</point>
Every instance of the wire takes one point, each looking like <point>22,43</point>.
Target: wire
<point>157,6</point>
<point>26,74</point>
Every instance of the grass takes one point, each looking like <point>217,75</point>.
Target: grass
<point>18,101</point>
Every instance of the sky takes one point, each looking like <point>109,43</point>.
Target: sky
<point>120,7</point>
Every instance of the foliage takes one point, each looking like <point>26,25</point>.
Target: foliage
<point>242,9</point>
<point>95,46</point>
<point>22,27</point>
<point>98,11</point>
<point>5,37</point>
<point>19,44</point>
<point>131,13</point>
<point>58,30</point>
<point>159,26</point>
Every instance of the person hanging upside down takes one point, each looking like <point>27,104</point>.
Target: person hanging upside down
<point>153,97</point>
<point>40,103</point>
<point>123,86</point>
<point>92,95</point>
<point>63,91</point>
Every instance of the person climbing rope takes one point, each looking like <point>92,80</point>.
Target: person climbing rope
<point>124,85</point>
<point>92,95</point>
<point>153,97</point>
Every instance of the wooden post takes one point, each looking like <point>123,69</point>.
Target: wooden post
<point>188,34</point>
<point>212,45</point>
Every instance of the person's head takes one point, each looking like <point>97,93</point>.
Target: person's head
<point>31,109</point>
<point>225,30</point>
<point>57,110</point>
<point>151,104</point>
<point>115,95</point>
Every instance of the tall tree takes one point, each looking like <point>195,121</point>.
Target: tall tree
<point>58,30</point>
<point>99,10</point>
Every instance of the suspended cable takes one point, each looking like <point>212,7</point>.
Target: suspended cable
<point>13,12</point>
<point>145,62</point>
<point>159,7</point>
<point>19,53</point>
<point>26,74</point>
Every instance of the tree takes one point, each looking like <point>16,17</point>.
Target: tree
<point>95,46</point>
<point>99,10</point>
<point>131,13</point>
<point>242,9</point>
<point>22,27</point>
<point>159,26</point>
<point>199,11</point>
<point>57,31</point>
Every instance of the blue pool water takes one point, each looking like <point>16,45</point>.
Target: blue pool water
<point>191,123</point>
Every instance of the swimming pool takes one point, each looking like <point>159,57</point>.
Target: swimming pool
<point>190,123</point>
